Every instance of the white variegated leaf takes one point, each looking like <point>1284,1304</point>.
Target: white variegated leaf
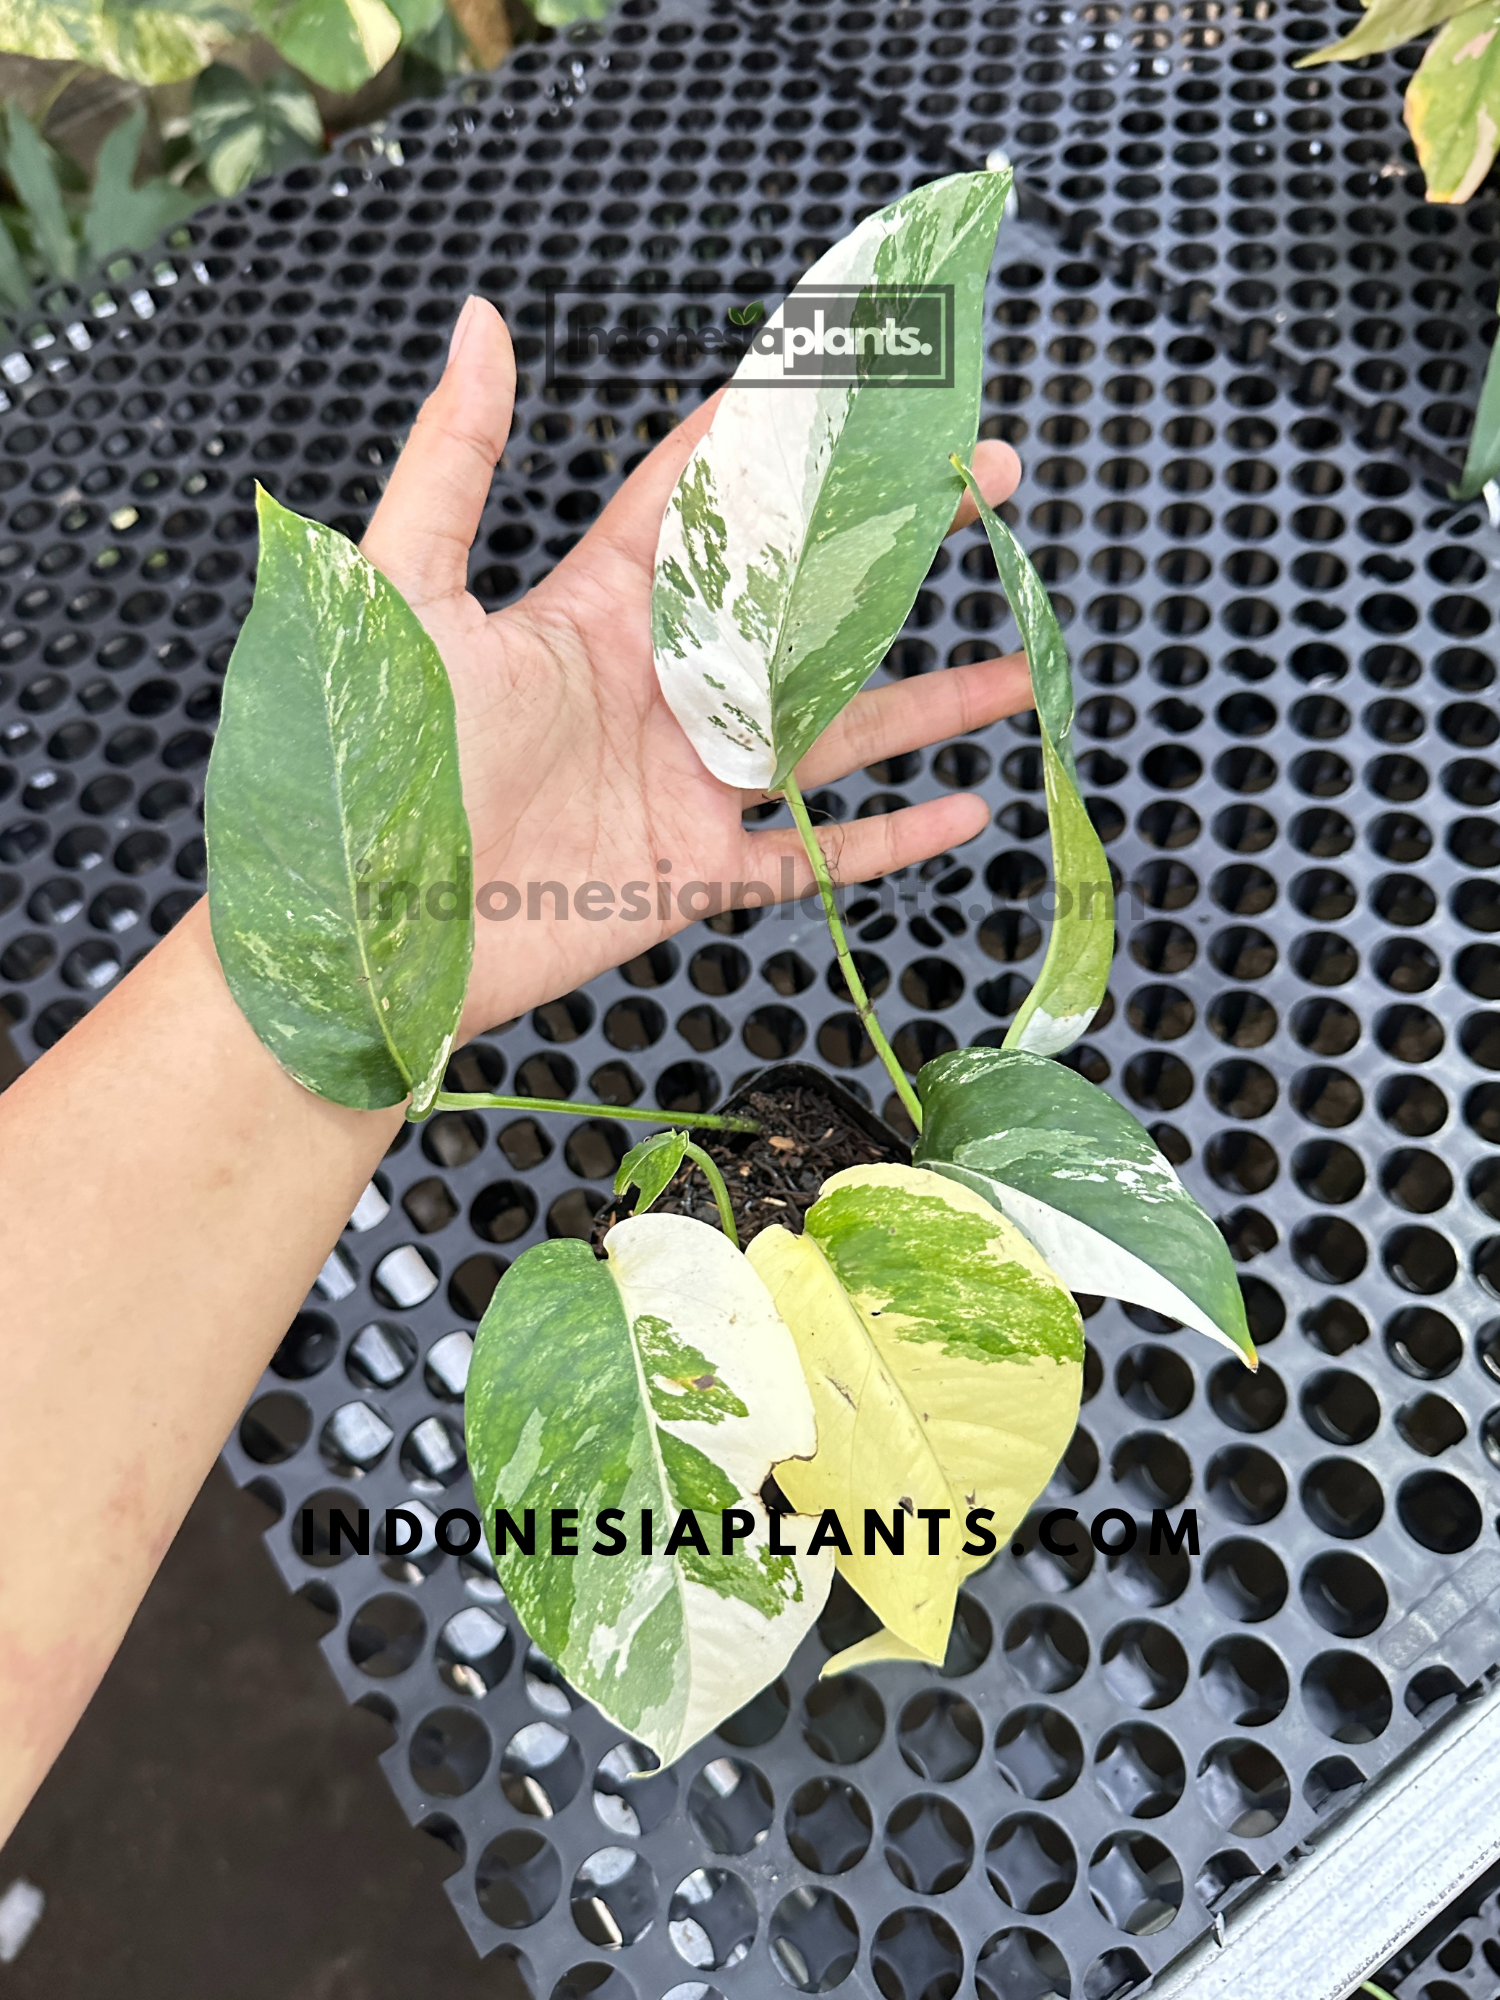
<point>800,531</point>
<point>661,1379</point>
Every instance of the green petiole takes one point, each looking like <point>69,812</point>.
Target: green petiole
<point>720,1192</point>
<point>458,1100</point>
<point>863,1005</point>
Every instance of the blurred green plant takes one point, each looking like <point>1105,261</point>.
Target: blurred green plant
<point>237,123</point>
<point>52,229</point>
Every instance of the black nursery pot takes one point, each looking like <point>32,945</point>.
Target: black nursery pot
<point>780,1079</point>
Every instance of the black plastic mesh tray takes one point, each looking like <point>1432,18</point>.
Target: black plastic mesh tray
<point>1288,734</point>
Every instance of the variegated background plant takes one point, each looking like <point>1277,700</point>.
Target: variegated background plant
<point>1453,115</point>
<point>917,1346</point>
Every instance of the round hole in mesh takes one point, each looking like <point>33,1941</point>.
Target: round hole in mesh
<point>1243,1680</point>
<point>614,1897</point>
<point>814,1939</point>
<point>928,1844</point>
<point>916,1955</point>
<point>731,1805</point>
<point>1144,1664</point>
<point>711,1919</point>
<point>1021,1964</point>
<point>1135,1882</point>
<point>1347,1696</point>
<point>1030,1863</point>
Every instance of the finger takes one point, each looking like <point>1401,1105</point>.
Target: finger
<point>631,523</point>
<point>429,513</point>
<point>862,849</point>
<point>998,472</point>
<point>886,721</point>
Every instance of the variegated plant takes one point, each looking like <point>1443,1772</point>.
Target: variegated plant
<point>1453,114</point>
<point>930,1304</point>
<point>916,1348</point>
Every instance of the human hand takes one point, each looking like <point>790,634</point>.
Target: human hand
<point>575,770</point>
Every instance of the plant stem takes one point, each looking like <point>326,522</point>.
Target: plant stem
<point>863,1006</point>
<point>458,1100</point>
<point>1369,1986</point>
<point>715,1180</point>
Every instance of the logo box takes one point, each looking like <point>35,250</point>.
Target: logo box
<point>884,335</point>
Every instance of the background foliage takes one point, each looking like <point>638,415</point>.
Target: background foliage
<point>122,116</point>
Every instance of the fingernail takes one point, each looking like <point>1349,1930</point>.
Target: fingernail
<point>461,328</point>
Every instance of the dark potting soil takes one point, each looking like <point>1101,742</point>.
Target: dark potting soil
<point>772,1175</point>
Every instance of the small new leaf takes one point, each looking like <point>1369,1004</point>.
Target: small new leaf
<point>340,885</point>
<point>650,1166</point>
<point>659,1379</point>
<point>1075,972</point>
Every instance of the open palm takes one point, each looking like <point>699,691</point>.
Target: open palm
<point>575,771</point>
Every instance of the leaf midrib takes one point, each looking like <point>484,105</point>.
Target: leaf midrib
<point>369,980</point>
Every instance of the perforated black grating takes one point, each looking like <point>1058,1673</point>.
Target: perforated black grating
<point>1288,728</point>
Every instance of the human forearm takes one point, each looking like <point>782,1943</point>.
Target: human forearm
<point>159,1161</point>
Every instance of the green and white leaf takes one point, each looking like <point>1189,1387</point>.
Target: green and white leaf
<point>340,44</point>
<point>661,1378</point>
<point>1075,972</point>
<point>146,41</point>
<point>28,161</point>
<point>1084,1181</point>
<point>245,130</point>
<point>417,17</point>
<point>1453,104</point>
<point>945,1362</point>
<point>120,215</point>
<point>339,864</point>
<point>650,1166</point>
<point>1482,460</point>
<point>805,521</point>
<point>1386,24</point>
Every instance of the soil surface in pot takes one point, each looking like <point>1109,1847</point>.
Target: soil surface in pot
<point>772,1175</point>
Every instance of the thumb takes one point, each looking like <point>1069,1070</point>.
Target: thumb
<point>429,513</point>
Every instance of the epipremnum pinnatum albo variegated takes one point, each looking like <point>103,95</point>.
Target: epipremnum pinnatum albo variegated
<point>339,861</point>
<point>803,524</point>
<point>945,1361</point>
<point>661,1378</point>
<point>1084,1181</point>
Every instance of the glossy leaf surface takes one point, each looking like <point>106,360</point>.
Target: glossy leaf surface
<point>1453,104</point>
<point>945,1363</point>
<point>338,43</point>
<point>339,879</point>
<point>802,526</point>
<point>1084,1181</point>
<point>1075,971</point>
<point>661,1379</point>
